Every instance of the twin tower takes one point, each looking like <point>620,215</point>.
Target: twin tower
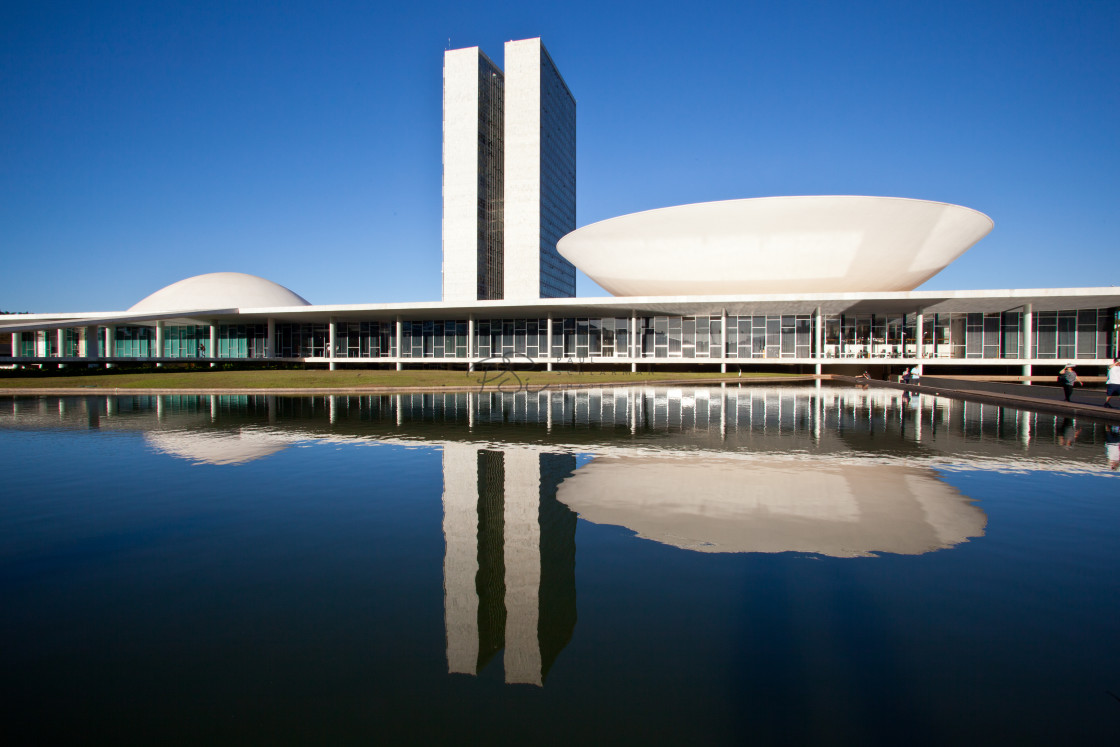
<point>509,175</point>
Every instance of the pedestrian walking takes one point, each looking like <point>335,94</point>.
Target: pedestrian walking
<point>1112,383</point>
<point>1067,377</point>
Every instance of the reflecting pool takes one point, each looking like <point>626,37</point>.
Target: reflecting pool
<point>774,565</point>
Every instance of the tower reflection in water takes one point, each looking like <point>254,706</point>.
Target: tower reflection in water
<point>509,567</point>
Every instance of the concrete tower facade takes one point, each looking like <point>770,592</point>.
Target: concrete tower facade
<point>472,176</point>
<point>509,175</point>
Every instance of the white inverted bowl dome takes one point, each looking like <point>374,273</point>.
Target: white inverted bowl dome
<point>815,244</point>
<point>220,290</point>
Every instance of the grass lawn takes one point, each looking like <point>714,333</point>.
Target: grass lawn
<point>322,379</point>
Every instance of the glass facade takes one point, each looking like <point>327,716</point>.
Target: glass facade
<point>580,339</point>
<point>243,340</point>
<point>134,342</point>
<point>71,341</point>
<point>1073,334</point>
<point>365,340</point>
<point>1087,333</point>
<point>302,340</point>
<point>186,341</point>
<point>491,252</point>
<point>434,339</point>
<point>558,179</point>
<point>785,336</point>
<point>523,337</point>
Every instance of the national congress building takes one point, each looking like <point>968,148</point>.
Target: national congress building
<point>817,283</point>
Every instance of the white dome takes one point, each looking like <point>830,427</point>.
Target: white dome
<point>220,290</point>
<point>813,244</point>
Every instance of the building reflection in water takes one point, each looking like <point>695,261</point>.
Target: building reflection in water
<point>837,472</point>
<point>819,423</point>
<point>509,567</point>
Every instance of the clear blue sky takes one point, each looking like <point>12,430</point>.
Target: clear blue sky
<point>145,142</point>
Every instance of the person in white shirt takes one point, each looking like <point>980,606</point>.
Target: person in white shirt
<point>1112,383</point>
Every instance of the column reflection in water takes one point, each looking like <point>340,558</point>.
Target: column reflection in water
<point>822,423</point>
<point>509,564</point>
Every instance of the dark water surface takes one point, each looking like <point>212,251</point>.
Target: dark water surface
<point>744,565</point>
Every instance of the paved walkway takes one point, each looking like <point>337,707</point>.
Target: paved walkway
<point>1087,402</point>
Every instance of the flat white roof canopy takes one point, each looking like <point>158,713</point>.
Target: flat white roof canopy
<point>928,302</point>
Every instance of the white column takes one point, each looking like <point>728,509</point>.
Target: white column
<point>60,341</point>
<point>818,342</point>
<point>470,342</point>
<point>919,344</point>
<point>1028,341</point>
<point>330,345</point>
<point>818,335</point>
<point>522,552</point>
<point>400,349</point>
<point>42,346</point>
<point>110,343</point>
<point>460,558</point>
<point>15,344</point>
<point>159,342</point>
<point>212,350</point>
<point>723,410</point>
<point>635,343</point>
<point>548,347</point>
<point>818,414</point>
<point>722,341</point>
<point>270,342</point>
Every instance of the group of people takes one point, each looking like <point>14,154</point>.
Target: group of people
<point>1067,377</point>
<point>912,376</point>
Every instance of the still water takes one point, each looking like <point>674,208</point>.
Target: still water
<point>794,565</point>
